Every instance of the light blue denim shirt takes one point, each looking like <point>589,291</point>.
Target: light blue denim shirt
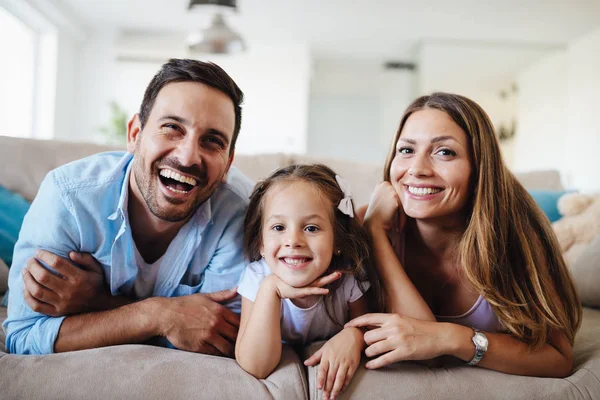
<point>82,206</point>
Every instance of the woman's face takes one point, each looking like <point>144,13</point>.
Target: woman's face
<point>431,170</point>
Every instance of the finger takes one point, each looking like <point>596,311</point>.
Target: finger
<point>368,320</point>
<point>322,373</point>
<point>87,261</point>
<point>383,360</point>
<point>327,279</point>
<point>38,291</point>
<point>222,295</point>
<point>58,264</point>
<point>308,291</point>
<point>333,368</point>
<point>349,374</point>
<point>380,347</point>
<point>314,359</point>
<point>231,317</point>
<point>228,331</point>
<point>340,378</point>
<point>43,276</point>
<point>38,306</point>
<point>375,335</point>
<point>220,343</point>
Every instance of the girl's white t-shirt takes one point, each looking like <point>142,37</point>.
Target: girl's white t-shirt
<point>303,325</point>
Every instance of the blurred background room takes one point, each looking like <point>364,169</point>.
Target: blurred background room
<point>321,77</point>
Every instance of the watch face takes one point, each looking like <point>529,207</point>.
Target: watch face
<point>481,341</point>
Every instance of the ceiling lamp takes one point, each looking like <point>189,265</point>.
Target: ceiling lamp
<point>218,38</point>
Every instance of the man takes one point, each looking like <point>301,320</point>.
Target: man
<point>165,225</point>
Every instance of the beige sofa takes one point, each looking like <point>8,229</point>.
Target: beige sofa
<point>146,372</point>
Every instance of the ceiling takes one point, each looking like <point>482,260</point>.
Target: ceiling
<point>370,29</point>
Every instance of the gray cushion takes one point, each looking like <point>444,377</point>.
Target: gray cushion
<point>408,380</point>
<point>586,274</point>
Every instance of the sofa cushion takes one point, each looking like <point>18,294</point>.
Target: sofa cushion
<point>12,211</point>
<point>547,200</point>
<point>586,274</point>
<point>144,372</point>
<point>456,380</point>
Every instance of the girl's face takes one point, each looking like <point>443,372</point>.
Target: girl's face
<point>297,232</point>
<point>431,170</point>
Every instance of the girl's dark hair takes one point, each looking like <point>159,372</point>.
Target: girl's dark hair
<point>349,235</point>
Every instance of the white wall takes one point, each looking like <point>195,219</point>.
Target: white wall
<point>583,108</point>
<point>541,139</point>
<point>480,71</point>
<point>558,110</point>
<point>274,79</point>
<point>355,109</point>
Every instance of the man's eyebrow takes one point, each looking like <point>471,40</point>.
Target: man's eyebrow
<point>175,118</point>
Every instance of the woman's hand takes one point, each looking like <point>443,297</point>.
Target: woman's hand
<point>315,288</point>
<point>339,358</point>
<point>395,338</point>
<point>385,209</point>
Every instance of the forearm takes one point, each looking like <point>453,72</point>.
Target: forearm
<point>402,297</point>
<point>258,347</point>
<point>507,354</point>
<point>133,323</point>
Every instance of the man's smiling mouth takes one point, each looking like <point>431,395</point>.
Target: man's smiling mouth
<point>177,182</point>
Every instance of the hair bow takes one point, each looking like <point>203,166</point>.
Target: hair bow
<point>345,205</point>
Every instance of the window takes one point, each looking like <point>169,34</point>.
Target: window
<point>17,76</point>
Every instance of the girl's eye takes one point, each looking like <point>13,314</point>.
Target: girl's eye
<point>278,228</point>
<point>312,228</point>
<point>447,152</point>
<point>405,150</point>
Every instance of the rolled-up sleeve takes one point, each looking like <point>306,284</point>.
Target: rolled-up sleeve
<point>49,225</point>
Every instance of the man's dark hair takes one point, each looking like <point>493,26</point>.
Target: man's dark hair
<point>185,70</point>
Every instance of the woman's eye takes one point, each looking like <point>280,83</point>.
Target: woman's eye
<point>278,228</point>
<point>312,228</point>
<point>447,152</point>
<point>405,150</point>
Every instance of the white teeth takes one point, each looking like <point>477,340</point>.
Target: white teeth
<point>295,261</point>
<point>421,191</point>
<point>168,173</point>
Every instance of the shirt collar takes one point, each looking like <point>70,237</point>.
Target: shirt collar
<point>122,204</point>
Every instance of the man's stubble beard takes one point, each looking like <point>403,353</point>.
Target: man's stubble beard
<point>148,188</point>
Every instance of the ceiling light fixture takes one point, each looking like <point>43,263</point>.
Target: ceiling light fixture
<point>218,38</point>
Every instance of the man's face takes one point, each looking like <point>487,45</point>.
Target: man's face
<point>183,152</point>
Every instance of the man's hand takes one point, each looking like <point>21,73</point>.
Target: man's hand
<point>199,323</point>
<point>338,360</point>
<point>73,291</point>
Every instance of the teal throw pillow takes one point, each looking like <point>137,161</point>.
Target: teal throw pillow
<point>547,200</point>
<point>12,211</point>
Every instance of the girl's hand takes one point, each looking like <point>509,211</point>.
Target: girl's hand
<point>339,358</point>
<point>385,209</point>
<point>315,288</point>
<point>395,338</point>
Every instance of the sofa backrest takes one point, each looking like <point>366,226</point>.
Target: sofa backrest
<point>25,162</point>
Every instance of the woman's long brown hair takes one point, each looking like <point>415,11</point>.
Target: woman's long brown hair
<point>508,252</point>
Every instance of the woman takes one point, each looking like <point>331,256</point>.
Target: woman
<point>462,248</point>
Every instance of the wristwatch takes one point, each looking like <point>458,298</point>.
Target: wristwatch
<point>481,345</point>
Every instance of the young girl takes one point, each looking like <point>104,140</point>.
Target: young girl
<point>308,272</point>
